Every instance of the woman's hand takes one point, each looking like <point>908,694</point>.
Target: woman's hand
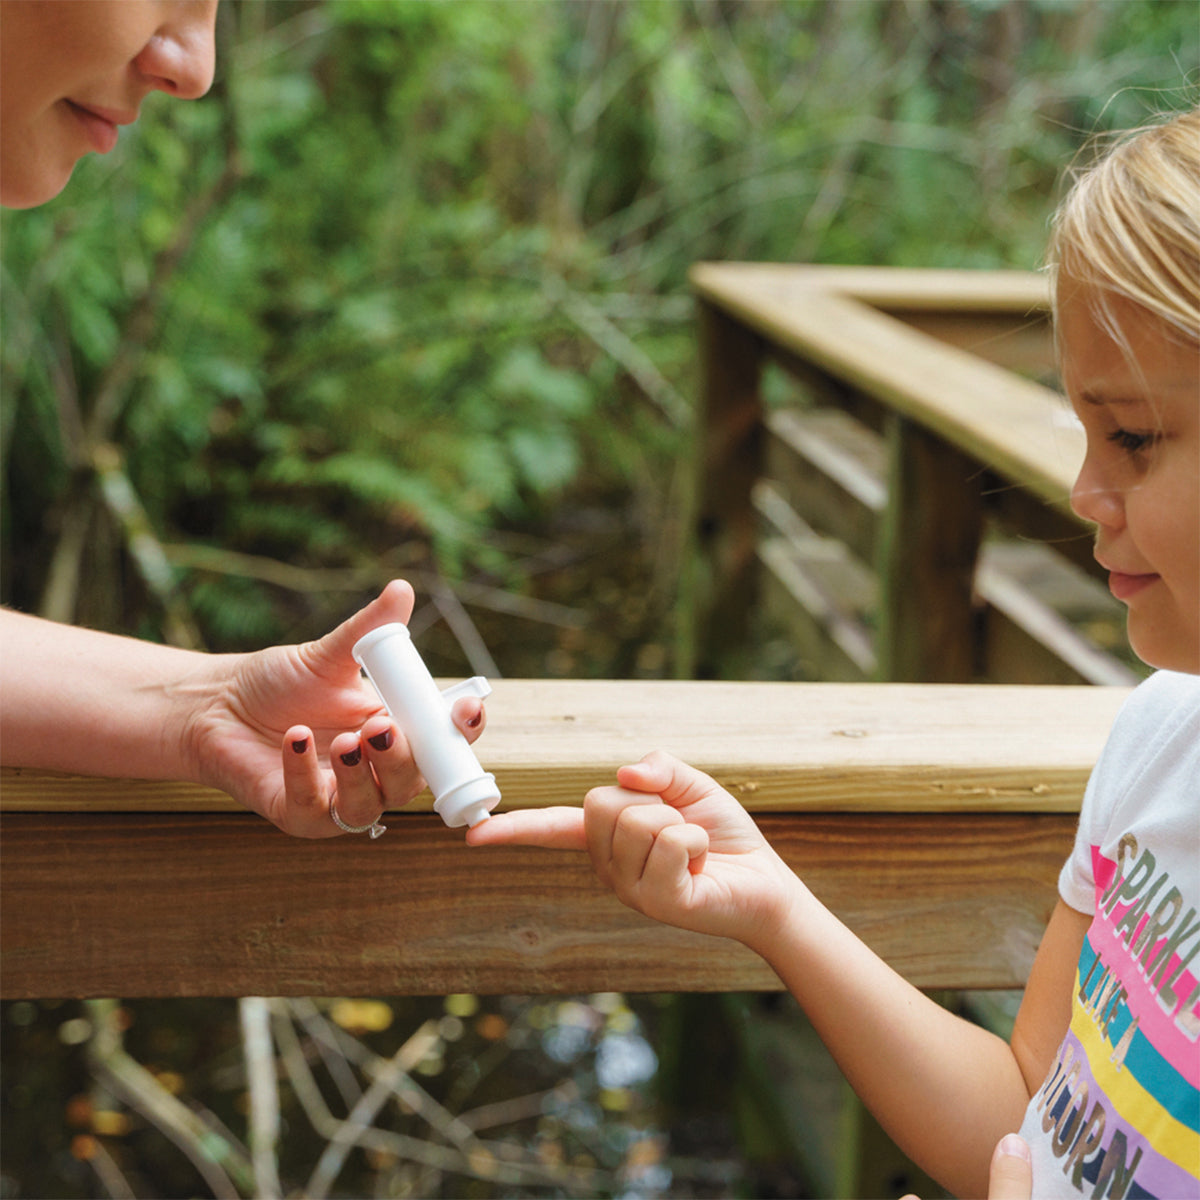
<point>671,843</point>
<point>273,718</point>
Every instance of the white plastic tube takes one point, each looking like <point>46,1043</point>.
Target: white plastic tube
<point>464,793</point>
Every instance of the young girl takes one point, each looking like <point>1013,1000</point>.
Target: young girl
<point>254,725</point>
<point>1102,1071</point>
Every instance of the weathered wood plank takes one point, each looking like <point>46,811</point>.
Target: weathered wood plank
<point>1023,344</point>
<point>213,904</point>
<point>783,747</point>
<point>1021,294</point>
<point>1019,428</point>
<point>1018,630</point>
<point>824,636</point>
<point>1014,444</point>
<point>728,461</point>
<point>932,818</point>
<point>1019,513</point>
<point>928,548</point>
<point>840,491</point>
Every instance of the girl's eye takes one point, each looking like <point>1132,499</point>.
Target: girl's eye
<point>1130,442</point>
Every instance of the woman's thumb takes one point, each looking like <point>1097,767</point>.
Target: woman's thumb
<point>393,604</point>
<point>1011,1176</point>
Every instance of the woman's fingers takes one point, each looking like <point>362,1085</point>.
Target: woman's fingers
<point>469,716</point>
<point>1011,1175</point>
<point>373,769</point>
<point>359,801</point>
<point>387,752</point>
<point>303,781</point>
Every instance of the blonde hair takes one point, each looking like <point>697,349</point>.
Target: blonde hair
<point>1130,224</point>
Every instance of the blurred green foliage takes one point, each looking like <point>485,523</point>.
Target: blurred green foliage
<point>414,273</point>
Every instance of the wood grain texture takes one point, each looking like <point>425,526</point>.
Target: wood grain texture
<point>197,904</point>
<point>837,321</point>
<point>892,289</point>
<point>727,461</point>
<point>932,818</point>
<point>928,548</point>
<point>780,747</point>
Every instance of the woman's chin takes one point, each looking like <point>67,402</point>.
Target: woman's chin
<point>39,188</point>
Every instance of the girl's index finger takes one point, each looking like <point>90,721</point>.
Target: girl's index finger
<point>558,828</point>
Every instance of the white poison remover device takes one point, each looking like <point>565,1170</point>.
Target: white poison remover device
<point>464,793</point>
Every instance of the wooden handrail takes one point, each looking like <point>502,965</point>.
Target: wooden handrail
<point>1022,429</point>
<point>891,289</point>
<point>781,747</point>
<point>933,819</point>
<point>943,370</point>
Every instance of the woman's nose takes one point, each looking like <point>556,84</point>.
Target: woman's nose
<point>180,58</point>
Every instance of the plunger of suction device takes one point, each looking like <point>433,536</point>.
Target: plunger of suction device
<point>464,793</point>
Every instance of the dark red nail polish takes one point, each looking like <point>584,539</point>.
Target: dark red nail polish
<point>382,741</point>
<point>474,722</point>
<point>300,745</point>
<point>352,759</point>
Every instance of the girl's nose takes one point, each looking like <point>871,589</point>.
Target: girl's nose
<point>1095,500</point>
<point>180,58</point>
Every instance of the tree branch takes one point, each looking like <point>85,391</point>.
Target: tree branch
<point>225,1167</point>
<point>255,1016</point>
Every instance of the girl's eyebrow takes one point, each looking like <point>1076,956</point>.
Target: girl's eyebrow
<point>1119,398</point>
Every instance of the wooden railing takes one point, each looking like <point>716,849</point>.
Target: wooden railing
<point>933,819</point>
<point>896,516</point>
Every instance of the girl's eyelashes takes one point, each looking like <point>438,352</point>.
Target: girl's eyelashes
<point>1130,441</point>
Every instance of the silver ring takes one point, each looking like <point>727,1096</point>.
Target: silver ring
<point>374,829</point>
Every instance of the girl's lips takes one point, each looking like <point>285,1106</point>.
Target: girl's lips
<point>1125,587</point>
<point>99,131</point>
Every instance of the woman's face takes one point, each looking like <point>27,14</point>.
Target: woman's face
<point>71,71</point>
<point>1140,481</point>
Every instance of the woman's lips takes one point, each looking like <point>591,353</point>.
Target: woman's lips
<point>100,131</point>
<point>1125,587</point>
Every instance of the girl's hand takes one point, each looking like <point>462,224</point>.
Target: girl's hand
<point>272,718</point>
<point>671,843</point>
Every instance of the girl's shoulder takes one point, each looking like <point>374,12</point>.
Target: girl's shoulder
<point>1167,700</point>
<point>1152,757</point>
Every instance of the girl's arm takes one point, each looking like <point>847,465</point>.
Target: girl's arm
<point>674,845</point>
<point>257,725</point>
<point>945,1089</point>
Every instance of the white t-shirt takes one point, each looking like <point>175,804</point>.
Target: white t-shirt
<point>1119,1113</point>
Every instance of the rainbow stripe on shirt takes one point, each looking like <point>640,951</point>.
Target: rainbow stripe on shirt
<point>1122,1103</point>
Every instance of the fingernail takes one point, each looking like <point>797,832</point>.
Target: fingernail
<point>1013,1146</point>
<point>352,759</point>
<point>300,745</point>
<point>382,741</point>
<point>475,721</point>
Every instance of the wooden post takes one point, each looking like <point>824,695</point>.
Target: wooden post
<point>927,554</point>
<point>730,442</point>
